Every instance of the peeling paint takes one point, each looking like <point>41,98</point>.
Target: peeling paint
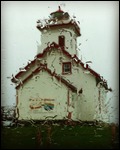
<point>58,82</point>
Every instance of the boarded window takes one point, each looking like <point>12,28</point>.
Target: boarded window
<point>66,67</point>
<point>62,41</point>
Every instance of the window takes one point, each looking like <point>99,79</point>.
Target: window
<point>66,68</point>
<point>61,40</point>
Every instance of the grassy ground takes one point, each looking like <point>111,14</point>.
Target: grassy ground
<point>58,136</point>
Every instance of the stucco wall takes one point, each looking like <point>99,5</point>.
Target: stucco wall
<point>86,104</point>
<point>39,88</point>
<point>25,74</point>
<point>50,35</point>
<point>88,101</point>
<point>101,107</point>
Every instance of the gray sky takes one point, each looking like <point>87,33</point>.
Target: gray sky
<point>99,41</point>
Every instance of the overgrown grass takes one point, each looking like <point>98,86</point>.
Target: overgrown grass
<point>58,136</point>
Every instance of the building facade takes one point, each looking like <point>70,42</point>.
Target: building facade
<point>57,84</point>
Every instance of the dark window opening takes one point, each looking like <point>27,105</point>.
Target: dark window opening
<point>66,68</point>
<point>62,41</point>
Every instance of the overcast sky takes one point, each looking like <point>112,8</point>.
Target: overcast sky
<point>99,26</point>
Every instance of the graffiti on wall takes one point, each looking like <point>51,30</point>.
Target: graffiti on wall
<point>48,104</point>
<point>38,103</point>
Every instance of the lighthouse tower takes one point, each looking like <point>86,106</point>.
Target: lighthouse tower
<point>61,29</point>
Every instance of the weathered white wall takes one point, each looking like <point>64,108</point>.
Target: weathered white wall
<point>50,35</point>
<point>46,87</point>
<point>88,98</point>
<point>101,108</point>
<point>25,74</point>
<point>87,102</point>
<point>85,105</point>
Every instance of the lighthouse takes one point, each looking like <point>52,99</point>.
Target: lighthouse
<point>57,84</point>
<point>61,29</point>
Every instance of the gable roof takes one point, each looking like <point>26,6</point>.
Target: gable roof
<point>40,55</point>
<point>59,78</point>
<point>75,58</point>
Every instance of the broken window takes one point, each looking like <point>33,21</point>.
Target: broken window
<point>61,40</point>
<point>66,67</point>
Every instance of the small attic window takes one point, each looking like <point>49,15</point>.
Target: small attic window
<point>61,41</point>
<point>66,68</point>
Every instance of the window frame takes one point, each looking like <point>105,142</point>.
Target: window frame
<point>63,71</point>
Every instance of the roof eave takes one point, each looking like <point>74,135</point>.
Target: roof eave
<point>44,67</point>
<point>59,25</point>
